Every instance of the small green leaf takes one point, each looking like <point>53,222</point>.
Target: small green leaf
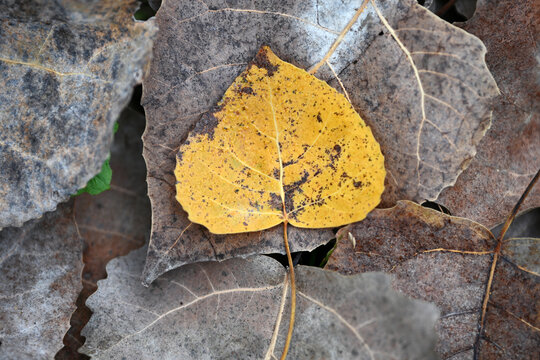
<point>115,129</point>
<point>100,182</point>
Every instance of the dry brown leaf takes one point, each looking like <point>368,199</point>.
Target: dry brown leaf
<point>447,260</point>
<point>40,267</point>
<point>509,155</point>
<point>232,309</point>
<point>112,223</point>
<point>66,72</point>
<point>420,83</point>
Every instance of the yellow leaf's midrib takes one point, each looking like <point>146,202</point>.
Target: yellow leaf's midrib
<point>278,148</point>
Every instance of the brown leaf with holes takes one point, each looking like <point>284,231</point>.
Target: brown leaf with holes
<point>509,155</point>
<point>66,72</point>
<point>112,223</point>
<point>236,309</point>
<point>40,267</point>
<point>420,84</point>
<point>447,260</point>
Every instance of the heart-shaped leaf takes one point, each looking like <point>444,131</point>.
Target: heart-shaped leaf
<point>282,146</point>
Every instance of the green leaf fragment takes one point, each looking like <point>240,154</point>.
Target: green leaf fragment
<point>99,183</point>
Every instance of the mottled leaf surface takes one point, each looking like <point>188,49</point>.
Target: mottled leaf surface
<point>235,309</point>
<point>40,267</point>
<point>67,68</point>
<point>447,260</point>
<point>281,146</point>
<point>112,223</point>
<point>509,155</point>
<point>420,83</point>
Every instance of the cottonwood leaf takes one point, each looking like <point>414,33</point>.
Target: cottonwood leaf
<point>66,72</point>
<point>509,155</point>
<point>113,223</point>
<point>41,267</point>
<point>447,260</point>
<point>282,146</point>
<point>426,98</point>
<point>235,309</point>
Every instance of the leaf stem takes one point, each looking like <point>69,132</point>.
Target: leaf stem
<point>293,293</point>
<point>498,249</point>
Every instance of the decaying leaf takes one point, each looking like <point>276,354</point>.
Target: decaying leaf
<point>447,260</point>
<point>113,223</point>
<point>509,155</point>
<point>231,310</point>
<point>282,145</point>
<point>420,83</point>
<point>66,71</point>
<point>41,267</point>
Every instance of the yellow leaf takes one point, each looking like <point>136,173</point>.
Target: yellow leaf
<point>281,146</point>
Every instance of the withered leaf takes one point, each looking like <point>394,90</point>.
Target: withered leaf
<point>112,223</point>
<point>509,154</point>
<point>235,309</point>
<point>41,267</point>
<point>420,83</point>
<point>447,260</point>
<point>66,71</point>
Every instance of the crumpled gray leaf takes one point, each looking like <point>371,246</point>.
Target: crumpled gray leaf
<point>40,267</point>
<point>419,82</point>
<point>67,68</point>
<point>509,155</point>
<point>231,310</point>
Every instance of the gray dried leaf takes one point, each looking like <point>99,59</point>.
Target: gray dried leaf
<point>419,82</point>
<point>509,155</point>
<point>447,260</point>
<point>66,71</point>
<point>41,267</point>
<point>231,310</point>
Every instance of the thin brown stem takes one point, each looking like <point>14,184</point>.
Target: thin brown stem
<point>293,294</point>
<point>445,8</point>
<point>497,251</point>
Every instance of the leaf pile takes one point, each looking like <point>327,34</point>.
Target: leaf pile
<point>66,71</point>
<point>423,92</point>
